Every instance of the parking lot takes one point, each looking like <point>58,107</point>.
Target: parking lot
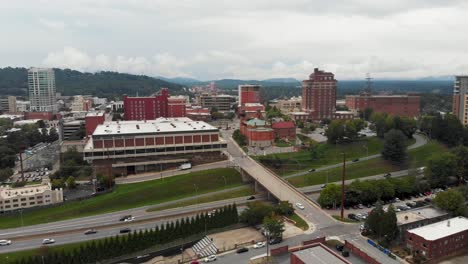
<point>36,175</point>
<point>360,212</point>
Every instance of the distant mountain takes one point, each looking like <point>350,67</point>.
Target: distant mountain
<point>13,81</point>
<point>438,78</point>
<point>180,80</point>
<point>281,80</point>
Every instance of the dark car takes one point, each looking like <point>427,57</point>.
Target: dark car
<point>339,247</point>
<point>242,250</point>
<point>311,170</point>
<point>387,175</point>
<point>428,200</point>
<point>125,217</point>
<point>251,198</point>
<point>275,240</point>
<point>90,232</point>
<point>355,160</point>
<point>352,216</point>
<point>125,230</point>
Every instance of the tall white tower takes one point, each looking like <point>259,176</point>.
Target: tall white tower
<point>41,82</point>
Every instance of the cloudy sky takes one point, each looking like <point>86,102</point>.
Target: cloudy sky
<point>247,39</point>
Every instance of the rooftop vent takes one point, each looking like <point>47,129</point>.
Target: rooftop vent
<point>138,126</point>
<point>448,223</point>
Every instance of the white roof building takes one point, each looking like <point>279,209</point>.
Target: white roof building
<point>441,229</point>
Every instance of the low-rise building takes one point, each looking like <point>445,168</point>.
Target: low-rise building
<point>317,253</point>
<point>251,110</point>
<point>92,120</point>
<point>22,106</point>
<point>299,116</point>
<point>28,196</point>
<point>70,130</point>
<point>402,105</point>
<point>439,239</point>
<point>128,147</point>
<point>284,130</point>
<point>221,102</point>
<point>407,220</point>
<point>344,115</point>
<point>8,104</point>
<point>257,132</point>
<point>287,106</point>
<point>198,113</point>
<point>176,106</point>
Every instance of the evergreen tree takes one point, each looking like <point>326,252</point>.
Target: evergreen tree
<point>394,146</point>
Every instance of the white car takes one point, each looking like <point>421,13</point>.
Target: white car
<point>129,219</point>
<point>5,242</point>
<point>210,258</point>
<point>46,241</point>
<point>300,206</point>
<point>259,244</point>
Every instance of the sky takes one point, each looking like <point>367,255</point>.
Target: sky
<point>241,39</point>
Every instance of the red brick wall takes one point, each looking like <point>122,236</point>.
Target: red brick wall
<point>402,106</point>
<point>313,241</point>
<point>283,133</point>
<point>146,108</point>
<point>176,107</point>
<point>438,248</point>
<point>39,115</point>
<point>92,122</point>
<point>278,251</point>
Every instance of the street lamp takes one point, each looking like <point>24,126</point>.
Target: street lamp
<point>367,150</point>
<point>196,192</point>
<point>225,181</point>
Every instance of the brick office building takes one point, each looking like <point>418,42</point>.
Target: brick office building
<point>284,130</point>
<point>440,239</point>
<point>146,108</point>
<point>176,106</point>
<point>319,95</point>
<point>258,132</point>
<point>128,147</point>
<point>402,105</point>
<point>92,120</point>
<point>249,93</point>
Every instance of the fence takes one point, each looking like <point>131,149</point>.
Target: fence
<point>363,255</point>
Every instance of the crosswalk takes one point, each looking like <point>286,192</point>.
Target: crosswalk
<point>205,247</point>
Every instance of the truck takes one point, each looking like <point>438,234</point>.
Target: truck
<point>185,166</point>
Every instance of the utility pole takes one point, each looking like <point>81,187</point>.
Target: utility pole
<point>343,186</point>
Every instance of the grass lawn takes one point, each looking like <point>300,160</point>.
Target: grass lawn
<point>128,196</point>
<point>294,162</point>
<point>299,222</point>
<point>244,191</point>
<point>282,143</point>
<point>417,157</point>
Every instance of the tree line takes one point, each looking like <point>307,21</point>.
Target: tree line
<point>112,247</point>
<point>447,129</point>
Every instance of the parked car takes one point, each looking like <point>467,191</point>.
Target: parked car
<point>259,244</point>
<point>311,170</point>
<point>355,160</point>
<point>387,175</point>
<point>429,200</point>
<point>360,206</point>
<point>5,242</point>
<point>339,247</point>
<point>242,250</point>
<point>323,186</point>
<point>275,240</point>
<point>210,258</point>
<point>300,206</point>
<point>46,241</point>
<point>90,231</point>
<point>352,216</point>
<point>251,198</point>
<point>125,230</point>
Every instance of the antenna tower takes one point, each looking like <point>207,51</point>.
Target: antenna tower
<point>368,83</point>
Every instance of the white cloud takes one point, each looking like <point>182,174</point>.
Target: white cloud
<point>258,39</point>
<point>52,24</point>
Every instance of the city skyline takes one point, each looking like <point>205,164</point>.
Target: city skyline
<point>241,40</point>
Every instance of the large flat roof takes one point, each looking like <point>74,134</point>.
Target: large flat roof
<point>151,126</point>
<point>7,192</point>
<point>318,255</point>
<point>441,229</point>
<point>406,217</point>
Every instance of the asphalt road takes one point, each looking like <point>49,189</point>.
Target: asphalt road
<point>107,224</point>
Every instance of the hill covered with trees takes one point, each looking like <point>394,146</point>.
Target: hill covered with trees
<point>14,81</point>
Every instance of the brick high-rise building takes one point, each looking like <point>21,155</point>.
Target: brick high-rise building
<point>146,108</point>
<point>460,99</point>
<point>176,106</point>
<point>319,95</point>
<point>249,93</point>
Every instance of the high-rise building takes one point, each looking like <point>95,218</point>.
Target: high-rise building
<point>460,99</point>
<point>8,104</point>
<point>249,93</point>
<point>41,82</point>
<point>221,102</point>
<point>146,108</point>
<point>319,95</point>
